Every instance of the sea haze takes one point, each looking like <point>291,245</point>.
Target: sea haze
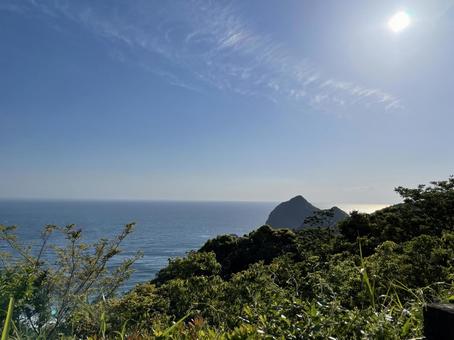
<point>164,229</point>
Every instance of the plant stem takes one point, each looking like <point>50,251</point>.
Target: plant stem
<point>9,315</point>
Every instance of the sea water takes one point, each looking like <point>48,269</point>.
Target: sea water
<point>163,230</point>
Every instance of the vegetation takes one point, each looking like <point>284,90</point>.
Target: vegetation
<point>50,287</point>
<point>367,278</point>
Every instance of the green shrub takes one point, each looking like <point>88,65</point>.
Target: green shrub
<point>194,264</point>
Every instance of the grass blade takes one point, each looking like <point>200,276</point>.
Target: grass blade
<point>9,315</point>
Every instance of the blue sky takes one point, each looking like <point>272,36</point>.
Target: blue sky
<point>224,100</point>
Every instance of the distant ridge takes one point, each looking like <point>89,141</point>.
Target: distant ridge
<point>298,213</point>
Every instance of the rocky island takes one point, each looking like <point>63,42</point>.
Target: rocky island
<point>298,213</point>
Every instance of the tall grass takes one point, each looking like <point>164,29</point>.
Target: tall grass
<point>9,315</point>
<point>365,278</point>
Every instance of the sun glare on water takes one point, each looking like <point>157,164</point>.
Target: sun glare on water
<point>399,21</point>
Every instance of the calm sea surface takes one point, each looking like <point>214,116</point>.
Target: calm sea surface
<point>163,229</point>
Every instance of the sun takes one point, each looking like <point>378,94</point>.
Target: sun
<point>399,21</point>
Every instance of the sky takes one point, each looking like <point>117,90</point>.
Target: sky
<point>224,100</point>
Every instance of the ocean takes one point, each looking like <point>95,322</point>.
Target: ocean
<point>164,229</point>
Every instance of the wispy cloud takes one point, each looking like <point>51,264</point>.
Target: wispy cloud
<point>202,44</point>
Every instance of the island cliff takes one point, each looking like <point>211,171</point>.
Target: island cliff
<point>298,213</point>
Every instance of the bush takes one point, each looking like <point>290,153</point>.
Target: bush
<point>194,264</point>
<point>48,293</point>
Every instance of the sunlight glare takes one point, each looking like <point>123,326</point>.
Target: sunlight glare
<point>399,21</point>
